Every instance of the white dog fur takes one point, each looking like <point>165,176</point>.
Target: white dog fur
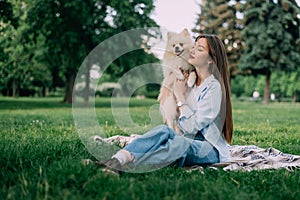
<point>175,60</point>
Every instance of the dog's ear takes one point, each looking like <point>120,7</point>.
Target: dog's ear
<point>186,32</point>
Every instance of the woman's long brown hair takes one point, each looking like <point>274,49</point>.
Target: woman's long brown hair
<point>218,54</point>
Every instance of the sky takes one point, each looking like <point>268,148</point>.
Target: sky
<point>175,15</point>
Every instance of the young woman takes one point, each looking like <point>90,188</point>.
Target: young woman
<point>205,118</point>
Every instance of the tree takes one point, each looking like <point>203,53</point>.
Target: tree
<point>271,35</point>
<point>73,28</point>
<point>6,13</point>
<point>18,58</point>
<point>223,18</point>
<point>294,86</point>
<point>65,25</point>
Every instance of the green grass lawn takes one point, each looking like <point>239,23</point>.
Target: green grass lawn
<point>41,156</point>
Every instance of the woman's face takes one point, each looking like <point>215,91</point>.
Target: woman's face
<point>199,56</point>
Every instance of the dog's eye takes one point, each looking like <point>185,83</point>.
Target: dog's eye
<point>173,45</point>
<point>181,44</point>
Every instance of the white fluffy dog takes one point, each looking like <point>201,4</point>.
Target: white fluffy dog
<point>174,62</point>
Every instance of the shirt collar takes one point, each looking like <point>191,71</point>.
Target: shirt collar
<point>198,90</point>
<point>205,83</point>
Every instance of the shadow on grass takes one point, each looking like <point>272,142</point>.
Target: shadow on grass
<point>44,103</point>
<point>31,103</point>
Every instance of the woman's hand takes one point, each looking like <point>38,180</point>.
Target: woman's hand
<point>180,87</point>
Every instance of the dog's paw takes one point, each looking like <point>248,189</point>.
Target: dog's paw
<point>190,83</point>
<point>179,74</point>
<point>192,79</point>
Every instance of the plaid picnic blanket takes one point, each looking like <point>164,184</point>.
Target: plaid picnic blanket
<point>252,157</point>
<point>247,158</point>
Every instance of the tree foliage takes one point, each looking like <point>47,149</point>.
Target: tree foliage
<point>271,37</point>
<point>6,12</point>
<point>54,37</point>
<point>223,18</point>
<point>20,63</point>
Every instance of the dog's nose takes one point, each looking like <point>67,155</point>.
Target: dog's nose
<point>177,48</point>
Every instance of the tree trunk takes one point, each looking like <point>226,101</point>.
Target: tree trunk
<point>267,89</point>
<point>70,79</point>
<point>8,90</point>
<point>295,96</point>
<point>87,83</point>
<point>14,88</point>
<point>46,91</point>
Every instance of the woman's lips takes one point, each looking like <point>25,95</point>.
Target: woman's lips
<point>191,56</point>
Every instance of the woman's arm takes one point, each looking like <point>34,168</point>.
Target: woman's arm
<point>208,109</point>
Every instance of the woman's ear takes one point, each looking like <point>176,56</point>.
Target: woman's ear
<point>209,60</point>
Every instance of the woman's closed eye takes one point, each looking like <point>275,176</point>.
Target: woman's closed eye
<point>200,48</point>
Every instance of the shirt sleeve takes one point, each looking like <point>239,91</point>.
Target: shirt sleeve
<point>208,108</point>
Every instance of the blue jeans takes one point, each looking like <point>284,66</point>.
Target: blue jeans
<point>161,146</point>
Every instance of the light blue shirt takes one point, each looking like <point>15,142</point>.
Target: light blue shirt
<point>202,113</point>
